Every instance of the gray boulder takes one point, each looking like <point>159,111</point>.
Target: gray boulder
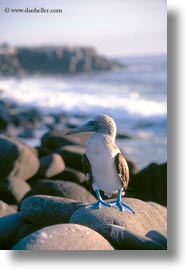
<point>64,237</point>
<point>61,189</point>
<point>123,239</point>
<point>146,218</point>
<point>48,210</point>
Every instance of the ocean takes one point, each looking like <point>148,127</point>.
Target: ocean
<point>135,96</point>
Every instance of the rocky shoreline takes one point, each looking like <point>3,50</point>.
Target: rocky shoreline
<point>19,61</point>
<point>43,191</point>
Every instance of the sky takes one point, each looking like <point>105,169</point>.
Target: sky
<point>113,27</point>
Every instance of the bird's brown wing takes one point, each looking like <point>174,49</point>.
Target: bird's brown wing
<point>122,169</point>
<point>87,168</point>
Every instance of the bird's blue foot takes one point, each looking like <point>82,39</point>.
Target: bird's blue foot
<point>122,206</point>
<point>97,205</point>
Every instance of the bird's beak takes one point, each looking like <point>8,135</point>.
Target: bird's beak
<point>90,126</point>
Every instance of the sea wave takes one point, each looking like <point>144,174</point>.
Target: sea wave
<point>74,97</point>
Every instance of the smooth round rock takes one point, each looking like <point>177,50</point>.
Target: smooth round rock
<point>12,192</point>
<point>9,226</point>
<point>18,162</point>
<point>71,175</point>
<point>72,156</point>
<point>5,209</point>
<point>64,237</point>
<point>123,239</point>
<point>47,210</point>
<point>61,189</point>
<point>50,166</point>
<point>145,219</point>
<point>17,159</point>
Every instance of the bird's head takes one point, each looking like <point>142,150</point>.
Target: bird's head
<point>102,123</point>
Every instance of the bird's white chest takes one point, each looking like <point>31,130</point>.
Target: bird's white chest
<point>101,153</point>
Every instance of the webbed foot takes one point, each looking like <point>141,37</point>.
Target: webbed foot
<point>122,206</point>
<point>98,205</point>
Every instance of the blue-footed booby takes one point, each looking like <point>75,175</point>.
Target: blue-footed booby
<point>104,163</point>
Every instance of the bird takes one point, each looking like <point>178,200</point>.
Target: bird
<point>103,163</point>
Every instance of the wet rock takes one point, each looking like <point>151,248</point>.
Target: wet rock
<point>9,226</point>
<point>64,237</point>
<point>50,166</point>
<point>146,218</point>
<point>61,189</point>
<point>5,209</point>
<point>122,239</point>
<point>150,184</point>
<point>72,155</point>
<point>48,210</point>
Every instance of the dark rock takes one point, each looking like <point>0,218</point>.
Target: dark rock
<point>16,160</point>
<point>9,226</point>
<point>4,118</point>
<point>25,230</point>
<point>146,218</point>
<point>57,138</point>
<point>122,239</point>
<point>71,175</point>
<point>48,210</point>
<point>150,184</point>
<point>5,209</point>
<point>12,193</point>
<point>17,164</point>
<point>43,151</point>
<point>72,155</point>
<point>64,237</point>
<point>61,189</point>
<point>50,166</point>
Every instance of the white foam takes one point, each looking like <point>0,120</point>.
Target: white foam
<point>56,94</point>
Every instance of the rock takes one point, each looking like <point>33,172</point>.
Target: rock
<point>150,184</point>
<point>50,166</point>
<point>17,160</point>
<point>146,218</point>
<point>13,192</point>
<point>4,118</point>
<point>71,175</point>
<point>48,210</point>
<point>56,138</point>
<point>61,189</point>
<point>17,164</point>
<point>72,155</point>
<point>9,226</point>
<point>25,230</point>
<point>63,237</point>
<point>43,151</point>
<point>5,209</point>
<point>122,239</point>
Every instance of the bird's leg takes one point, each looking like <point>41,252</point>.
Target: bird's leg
<point>99,204</point>
<point>121,205</point>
